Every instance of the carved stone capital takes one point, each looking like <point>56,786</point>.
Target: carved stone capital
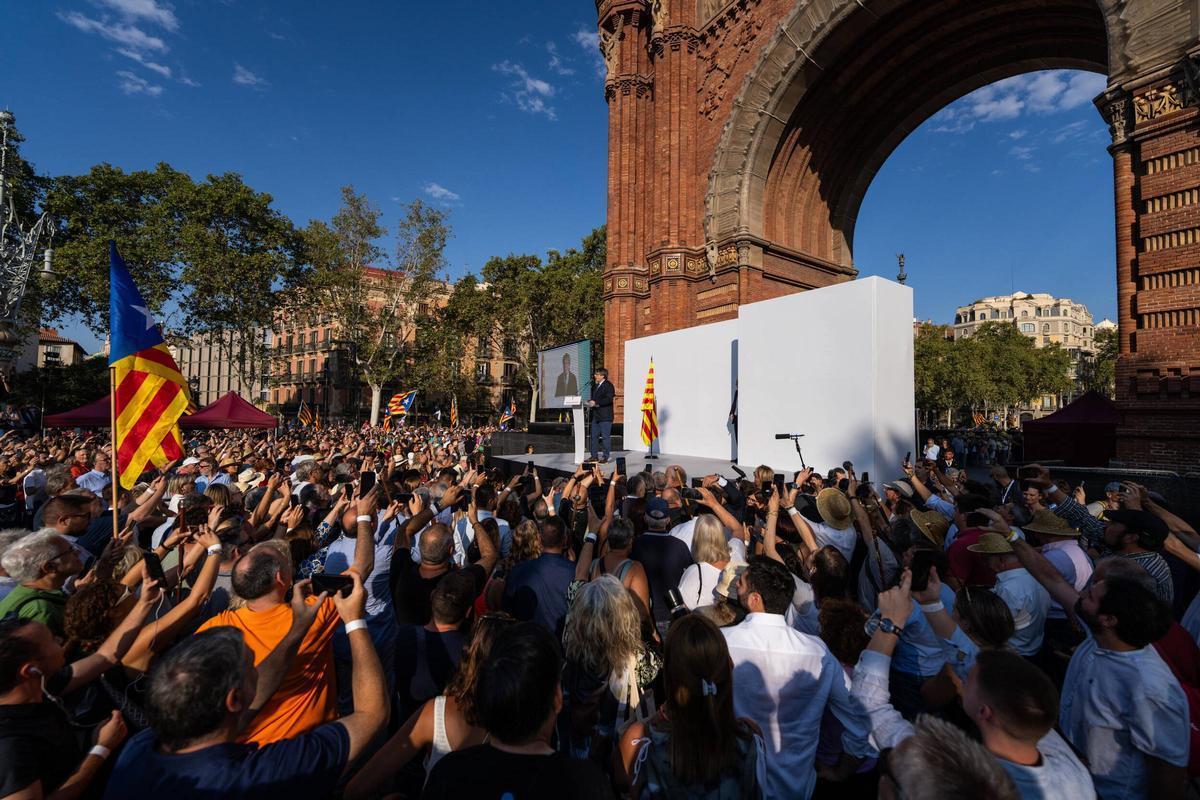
<point>637,85</point>
<point>1116,108</point>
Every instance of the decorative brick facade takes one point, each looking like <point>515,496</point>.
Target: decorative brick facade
<point>743,135</point>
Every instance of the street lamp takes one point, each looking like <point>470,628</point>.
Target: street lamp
<point>18,251</point>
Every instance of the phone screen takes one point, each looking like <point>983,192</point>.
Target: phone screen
<point>620,465</point>
<point>154,567</point>
<point>332,584</point>
<point>366,482</point>
<point>779,479</point>
<point>921,562</point>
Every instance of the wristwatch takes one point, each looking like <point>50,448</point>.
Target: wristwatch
<point>887,626</point>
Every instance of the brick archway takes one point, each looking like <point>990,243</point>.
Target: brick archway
<point>744,135</point>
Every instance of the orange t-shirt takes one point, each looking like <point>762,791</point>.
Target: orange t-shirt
<point>307,696</point>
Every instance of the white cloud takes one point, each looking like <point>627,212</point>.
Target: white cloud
<point>1021,153</point>
<point>161,69</point>
<point>129,36</point>
<point>590,42</point>
<point>439,192</point>
<point>1035,93</point>
<point>529,93</point>
<point>132,83</point>
<point>1073,130</point>
<point>148,11</point>
<point>186,81</point>
<point>556,62</point>
<point>1018,134</point>
<point>244,77</point>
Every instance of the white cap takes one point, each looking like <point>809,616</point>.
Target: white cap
<point>189,461</point>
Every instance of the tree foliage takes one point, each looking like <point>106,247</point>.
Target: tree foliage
<point>996,368</point>
<point>60,388</point>
<point>521,304</point>
<point>1098,373</point>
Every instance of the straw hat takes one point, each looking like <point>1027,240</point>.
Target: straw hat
<point>932,524</point>
<point>902,487</point>
<point>834,508</point>
<point>727,586</point>
<point>229,461</point>
<point>247,479</point>
<point>991,544</point>
<point>1048,523</point>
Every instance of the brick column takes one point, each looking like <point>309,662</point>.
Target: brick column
<point>1156,163</point>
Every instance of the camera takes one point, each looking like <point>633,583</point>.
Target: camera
<point>688,493</point>
<point>675,605</point>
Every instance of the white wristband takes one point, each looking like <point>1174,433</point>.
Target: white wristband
<point>214,550</point>
<point>363,518</point>
<point>589,537</point>
<point>100,751</point>
<point>722,482</point>
<point>792,510</point>
<point>356,625</point>
<point>929,608</point>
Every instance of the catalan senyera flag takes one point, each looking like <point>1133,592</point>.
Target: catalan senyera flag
<point>149,393</point>
<point>509,414</point>
<point>649,409</point>
<point>387,423</point>
<point>317,419</point>
<point>304,415</point>
<point>454,411</point>
<point>401,403</point>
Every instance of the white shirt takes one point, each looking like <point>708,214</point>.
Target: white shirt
<point>464,534</point>
<point>698,585</point>
<point>843,540</point>
<point>93,481</point>
<point>1117,708</point>
<point>784,680</point>
<point>1029,603</point>
<point>1072,563</point>
<point>931,452</point>
<point>1060,776</point>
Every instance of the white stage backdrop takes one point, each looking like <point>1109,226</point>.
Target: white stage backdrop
<point>834,364</point>
<point>690,422</point>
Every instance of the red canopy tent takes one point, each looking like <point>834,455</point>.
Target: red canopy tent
<point>97,414</point>
<point>1083,434</point>
<point>230,411</point>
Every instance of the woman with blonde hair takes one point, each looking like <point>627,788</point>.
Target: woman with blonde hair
<point>444,724</point>
<point>607,669</point>
<point>711,552</point>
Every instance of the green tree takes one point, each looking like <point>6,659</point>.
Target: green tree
<point>61,388</point>
<point>520,299</point>
<point>1098,372</point>
<point>378,311</point>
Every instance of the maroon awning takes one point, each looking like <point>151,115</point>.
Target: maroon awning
<point>230,411</point>
<point>96,414</point>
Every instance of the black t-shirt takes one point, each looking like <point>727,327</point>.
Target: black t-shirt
<point>38,743</point>
<point>665,558</point>
<point>425,661</point>
<point>484,771</point>
<point>411,591</point>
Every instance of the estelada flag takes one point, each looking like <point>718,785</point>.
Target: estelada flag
<point>304,415</point>
<point>401,403</point>
<point>149,393</point>
<point>649,409</point>
<point>510,413</point>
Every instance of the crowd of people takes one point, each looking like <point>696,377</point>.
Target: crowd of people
<point>361,614</point>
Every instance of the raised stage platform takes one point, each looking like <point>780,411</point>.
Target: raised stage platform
<point>555,464</point>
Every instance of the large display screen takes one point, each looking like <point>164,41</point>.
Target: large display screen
<point>563,372</point>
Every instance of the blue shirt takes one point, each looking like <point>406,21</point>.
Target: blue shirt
<point>920,651</point>
<point>93,481</point>
<point>537,590</point>
<point>305,766</point>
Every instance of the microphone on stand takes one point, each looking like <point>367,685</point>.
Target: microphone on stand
<point>789,435</point>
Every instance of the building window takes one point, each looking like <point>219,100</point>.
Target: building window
<point>1048,402</point>
<point>483,370</point>
<point>510,372</point>
<point>1028,327</point>
<point>1024,313</point>
<point>1045,327</point>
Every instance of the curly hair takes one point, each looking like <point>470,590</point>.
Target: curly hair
<point>842,629</point>
<point>88,617</point>
<point>526,544</point>
<point>483,635</point>
<point>603,627</point>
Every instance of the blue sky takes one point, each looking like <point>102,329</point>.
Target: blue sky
<point>496,111</point>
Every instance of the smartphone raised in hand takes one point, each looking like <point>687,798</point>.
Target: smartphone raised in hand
<point>620,466</point>
<point>154,567</point>
<point>366,482</point>
<point>922,561</point>
<point>332,584</point>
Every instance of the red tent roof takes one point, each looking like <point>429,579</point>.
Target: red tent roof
<point>230,411</point>
<point>94,415</point>
<point>1090,409</point>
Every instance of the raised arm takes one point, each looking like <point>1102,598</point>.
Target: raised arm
<point>148,503</point>
<point>110,653</point>
<point>364,538</point>
<point>489,553</point>
<point>369,688</point>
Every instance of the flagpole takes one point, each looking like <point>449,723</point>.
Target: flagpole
<point>112,432</point>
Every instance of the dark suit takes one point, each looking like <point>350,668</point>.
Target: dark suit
<point>567,385</point>
<point>602,418</point>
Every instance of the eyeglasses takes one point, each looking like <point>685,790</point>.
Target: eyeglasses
<point>68,551</point>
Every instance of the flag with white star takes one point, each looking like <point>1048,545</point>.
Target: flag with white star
<point>149,393</point>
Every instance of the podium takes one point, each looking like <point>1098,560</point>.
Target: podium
<point>575,403</point>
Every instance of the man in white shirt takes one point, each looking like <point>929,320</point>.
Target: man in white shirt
<point>1122,706</point>
<point>784,680</point>
<point>835,528</point>
<point>931,449</point>
<point>464,531</point>
<point>1012,702</point>
<point>1028,600</point>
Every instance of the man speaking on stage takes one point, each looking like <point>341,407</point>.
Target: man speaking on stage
<point>602,414</point>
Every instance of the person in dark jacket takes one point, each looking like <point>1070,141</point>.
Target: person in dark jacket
<point>602,414</point>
